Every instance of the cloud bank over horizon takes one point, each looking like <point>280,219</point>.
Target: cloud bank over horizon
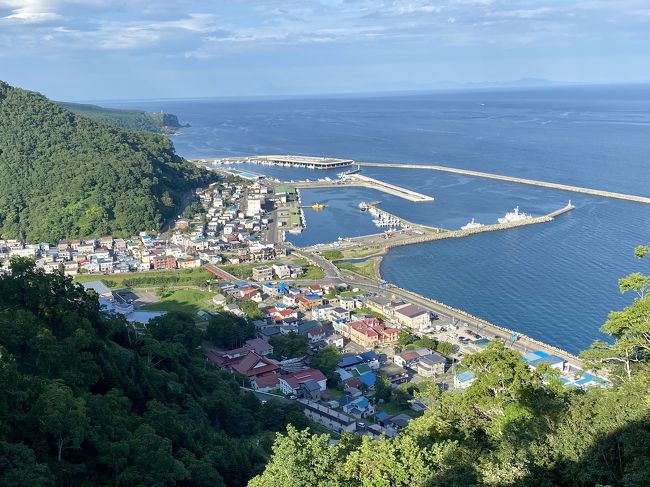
<point>101,49</point>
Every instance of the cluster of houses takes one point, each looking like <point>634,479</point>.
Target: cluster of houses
<point>229,231</point>
<point>324,317</point>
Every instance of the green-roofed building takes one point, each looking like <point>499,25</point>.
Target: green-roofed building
<point>286,192</point>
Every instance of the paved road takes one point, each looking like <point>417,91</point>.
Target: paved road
<point>331,271</point>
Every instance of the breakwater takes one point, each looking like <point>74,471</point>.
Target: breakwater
<point>512,179</point>
<point>365,182</point>
<point>390,188</point>
<point>430,234</point>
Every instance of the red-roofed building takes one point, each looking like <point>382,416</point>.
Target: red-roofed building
<point>254,365</point>
<point>368,332</point>
<point>316,334</point>
<point>266,383</point>
<point>250,360</point>
<point>279,315</point>
<point>316,289</point>
<point>291,383</point>
<point>164,262</point>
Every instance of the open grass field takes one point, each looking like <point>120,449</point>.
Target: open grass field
<point>366,268</point>
<point>179,277</point>
<point>186,300</point>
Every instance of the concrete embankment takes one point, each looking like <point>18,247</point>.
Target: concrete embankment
<point>391,188</point>
<point>365,182</point>
<point>429,235</point>
<point>512,179</point>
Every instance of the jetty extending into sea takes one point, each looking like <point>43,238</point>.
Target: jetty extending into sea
<point>512,179</point>
<point>357,180</point>
<point>417,233</point>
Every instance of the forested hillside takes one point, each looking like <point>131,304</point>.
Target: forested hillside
<point>85,400</point>
<point>514,426</point>
<point>63,175</point>
<point>158,122</point>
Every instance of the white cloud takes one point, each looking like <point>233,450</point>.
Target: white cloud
<point>30,11</point>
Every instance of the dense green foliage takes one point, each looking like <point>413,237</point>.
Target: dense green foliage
<point>66,176</point>
<point>87,400</point>
<point>409,341</point>
<point>327,360</point>
<point>514,426</point>
<point>228,331</point>
<point>251,309</point>
<point>289,346</point>
<point>158,122</point>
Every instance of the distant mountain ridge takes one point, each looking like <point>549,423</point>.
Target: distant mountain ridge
<point>63,175</point>
<point>158,122</point>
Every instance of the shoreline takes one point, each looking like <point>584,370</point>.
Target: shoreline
<point>480,323</point>
<point>529,343</point>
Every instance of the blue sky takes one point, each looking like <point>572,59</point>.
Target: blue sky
<point>127,49</point>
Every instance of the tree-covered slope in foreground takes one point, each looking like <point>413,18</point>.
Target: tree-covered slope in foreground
<point>85,400</point>
<point>63,175</point>
<point>158,122</point>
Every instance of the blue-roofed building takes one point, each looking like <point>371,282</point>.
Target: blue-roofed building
<point>350,361</point>
<point>371,358</point>
<point>368,379</point>
<point>381,416</point>
<point>537,354</point>
<point>344,374</point>
<point>359,407</point>
<point>464,379</point>
<point>553,361</point>
<point>589,380</point>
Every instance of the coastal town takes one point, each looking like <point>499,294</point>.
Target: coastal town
<point>352,351</point>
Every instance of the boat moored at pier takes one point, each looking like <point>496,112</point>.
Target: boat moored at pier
<point>514,216</point>
<point>471,225</point>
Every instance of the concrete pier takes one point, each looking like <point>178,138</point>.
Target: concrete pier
<point>308,162</point>
<point>511,179</point>
<point>416,233</point>
<point>390,188</point>
<point>365,182</point>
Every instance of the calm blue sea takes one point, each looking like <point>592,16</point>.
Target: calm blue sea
<point>554,281</point>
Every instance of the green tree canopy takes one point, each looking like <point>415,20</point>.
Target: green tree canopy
<point>63,175</point>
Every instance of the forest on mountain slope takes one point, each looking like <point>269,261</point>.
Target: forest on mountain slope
<point>87,399</point>
<point>158,122</point>
<point>514,426</point>
<point>63,175</point>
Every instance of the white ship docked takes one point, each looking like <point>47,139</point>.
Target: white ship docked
<point>363,206</point>
<point>471,225</point>
<point>514,216</point>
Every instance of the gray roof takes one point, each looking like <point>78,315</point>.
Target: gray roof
<point>411,311</point>
<point>433,358</point>
<point>311,385</point>
<point>97,286</point>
